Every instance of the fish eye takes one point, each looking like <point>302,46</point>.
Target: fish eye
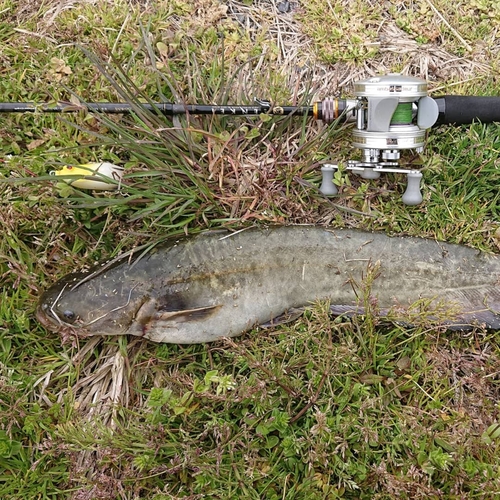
<point>69,316</point>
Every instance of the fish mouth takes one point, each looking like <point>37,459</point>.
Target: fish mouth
<point>45,320</point>
<point>45,317</point>
<point>52,323</point>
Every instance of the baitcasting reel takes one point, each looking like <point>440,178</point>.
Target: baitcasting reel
<point>392,114</point>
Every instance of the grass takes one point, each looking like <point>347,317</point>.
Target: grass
<point>320,408</point>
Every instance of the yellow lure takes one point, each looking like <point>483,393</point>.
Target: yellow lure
<point>91,175</point>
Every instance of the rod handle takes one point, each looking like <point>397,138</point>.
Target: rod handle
<point>459,110</point>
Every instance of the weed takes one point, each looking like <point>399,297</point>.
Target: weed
<point>319,408</point>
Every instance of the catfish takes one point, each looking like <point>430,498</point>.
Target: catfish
<point>221,284</point>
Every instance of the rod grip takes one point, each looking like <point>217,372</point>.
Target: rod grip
<point>459,110</point>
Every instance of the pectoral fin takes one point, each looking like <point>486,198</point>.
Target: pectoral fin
<point>152,315</point>
<point>195,314</point>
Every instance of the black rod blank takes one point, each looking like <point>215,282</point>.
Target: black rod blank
<point>167,109</point>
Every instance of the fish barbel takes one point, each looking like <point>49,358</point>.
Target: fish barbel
<point>221,284</point>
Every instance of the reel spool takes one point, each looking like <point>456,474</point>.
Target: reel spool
<point>392,114</point>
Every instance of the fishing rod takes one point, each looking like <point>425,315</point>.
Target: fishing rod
<point>457,110</point>
<point>391,113</point>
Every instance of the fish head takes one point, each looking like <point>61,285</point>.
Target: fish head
<point>73,307</point>
<point>81,306</point>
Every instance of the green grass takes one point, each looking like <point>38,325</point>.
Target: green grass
<point>320,408</point>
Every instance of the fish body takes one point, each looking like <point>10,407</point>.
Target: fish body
<point>221,284</point>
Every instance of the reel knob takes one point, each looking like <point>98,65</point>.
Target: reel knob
<point>412,195</point>
<point>328,188</point>
<point>369,173</point>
